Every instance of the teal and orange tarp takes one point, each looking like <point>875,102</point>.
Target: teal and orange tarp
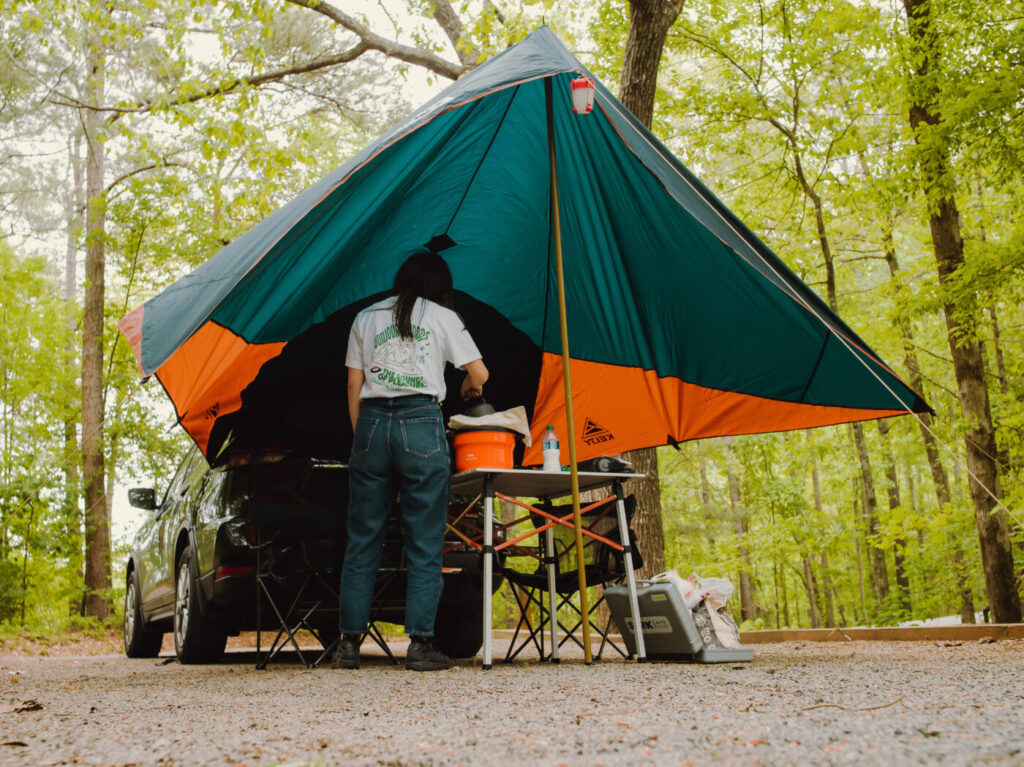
<point>682,323</point>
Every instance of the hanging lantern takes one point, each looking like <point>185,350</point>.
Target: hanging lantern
<point>583,95</point>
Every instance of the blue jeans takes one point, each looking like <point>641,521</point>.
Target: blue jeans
<point>399,444</point>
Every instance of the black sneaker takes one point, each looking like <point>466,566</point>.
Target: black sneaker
<point>423,655</point>
<point>346,654</point>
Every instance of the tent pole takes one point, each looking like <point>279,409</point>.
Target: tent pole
<point>570,423</point>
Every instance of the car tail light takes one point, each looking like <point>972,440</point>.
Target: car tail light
<point>228,572</point>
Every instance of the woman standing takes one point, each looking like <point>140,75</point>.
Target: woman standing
<point>397,352</point>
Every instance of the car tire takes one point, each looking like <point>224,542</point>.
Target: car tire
<point>459,631</point>
<point>197,638</point>
<point>139,642</point>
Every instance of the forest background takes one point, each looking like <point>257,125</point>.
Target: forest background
<point>876,146</point>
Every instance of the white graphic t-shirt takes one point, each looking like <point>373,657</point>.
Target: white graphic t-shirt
<point>395,366</point>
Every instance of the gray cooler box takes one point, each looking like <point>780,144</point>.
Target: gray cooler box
<point>670,632</point>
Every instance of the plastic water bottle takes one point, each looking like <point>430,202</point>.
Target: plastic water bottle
<point>551,450</point>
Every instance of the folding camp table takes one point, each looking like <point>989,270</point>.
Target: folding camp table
<point>512,484</point>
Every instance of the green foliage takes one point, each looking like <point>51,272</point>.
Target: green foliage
<point>776,105</point>
<point>38,530</point>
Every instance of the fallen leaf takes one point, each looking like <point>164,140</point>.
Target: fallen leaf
<point>14,743</point>
<point>28,705</point>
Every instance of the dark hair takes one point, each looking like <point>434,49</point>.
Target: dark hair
<point>423,275</point>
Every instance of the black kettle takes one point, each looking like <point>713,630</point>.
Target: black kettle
<point>478,406</point>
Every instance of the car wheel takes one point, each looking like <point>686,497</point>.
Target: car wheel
<point>138,641</point>
<point>459,631</point>
<point>197,638</point>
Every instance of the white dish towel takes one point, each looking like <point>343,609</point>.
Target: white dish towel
<point>514,418</point>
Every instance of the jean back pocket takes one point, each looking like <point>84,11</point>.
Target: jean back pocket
<point>366,425</point>
<point>421,435</point>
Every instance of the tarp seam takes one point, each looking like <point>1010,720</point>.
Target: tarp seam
<point>483,157</point>
<point>817,363</point>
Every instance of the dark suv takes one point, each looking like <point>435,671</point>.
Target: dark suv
<point>193,563</point>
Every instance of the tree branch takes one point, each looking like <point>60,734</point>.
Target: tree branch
<point>450,22</point>
<point>278,74</point>
<point>489,6</point>
<point>163,163</point>
<point>368,41</point>
<point>224,88</point>
<point>391,48</point>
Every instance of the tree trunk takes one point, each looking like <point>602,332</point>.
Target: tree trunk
<point>649,23</point>
<point>775,578</point>
<point>828,591</point>
<point>997,347</point>
<point>812,593</point>
<point>899,545</point>
<point>912,480</point>
<point>97,521</point>
<point>73,520</point>
<point>785,597</point>
<point>746,590</point>
<point>826,579</point>
<point>944,221</point>
<point>24,559</point>
<point>705,499</point>
<point>650,536</point>
<point>858,519</point>
<point>924,421</point>
<point>876,556</point>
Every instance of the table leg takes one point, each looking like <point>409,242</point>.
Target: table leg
<point>488,567</point>
<point>549,549</point>
<point>634,605</point>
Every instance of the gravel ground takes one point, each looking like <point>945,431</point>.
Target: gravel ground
<point>905,703</point>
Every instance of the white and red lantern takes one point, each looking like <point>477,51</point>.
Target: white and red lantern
<point>583,95</point>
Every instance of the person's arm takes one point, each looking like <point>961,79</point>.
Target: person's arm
<point>476,377</point>
<point>356,377</point>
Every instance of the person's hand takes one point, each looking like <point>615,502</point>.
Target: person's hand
<point>469,391</point>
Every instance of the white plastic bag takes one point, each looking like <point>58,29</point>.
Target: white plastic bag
<point>719,589</point>
<point>687,587</point>
<point>716,592</point>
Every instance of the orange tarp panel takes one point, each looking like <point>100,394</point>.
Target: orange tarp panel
<point>206,375</point>
<point>624,408</point>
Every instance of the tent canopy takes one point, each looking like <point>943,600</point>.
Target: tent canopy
<point>682,323</point>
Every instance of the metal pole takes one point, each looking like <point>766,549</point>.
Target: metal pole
<point>556,229</point>
<point>549,550</point>
<point>488,565</point>
<point>627,546</point>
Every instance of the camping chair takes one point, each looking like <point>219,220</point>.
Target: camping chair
<point>603,565</point>
<point>297,578</point>
<point>296,574</point>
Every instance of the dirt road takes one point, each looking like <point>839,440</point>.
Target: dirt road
<point>904,703</point>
